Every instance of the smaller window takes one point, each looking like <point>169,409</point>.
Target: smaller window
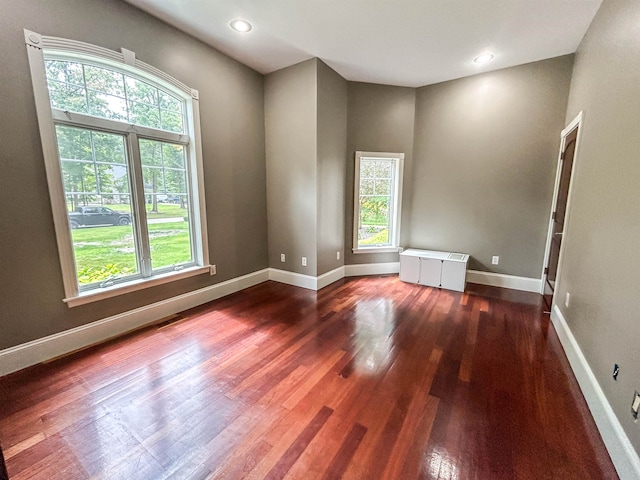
<point>377,202</point>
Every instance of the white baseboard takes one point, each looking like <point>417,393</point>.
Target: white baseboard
<point>306,281</point>
<point>316,283</point>
<point>621,451</point>
<point>46,348</point>
<point>525,284</point>
<point>371,269</point>
<point>330,277</point>
<point>291,278</point>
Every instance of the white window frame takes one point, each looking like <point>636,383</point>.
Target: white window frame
<point>396,208</point>
<point>47,118</point>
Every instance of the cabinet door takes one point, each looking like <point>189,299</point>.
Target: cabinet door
<point>430,271</point>
<point>409,269</point>
<point>454,275</point>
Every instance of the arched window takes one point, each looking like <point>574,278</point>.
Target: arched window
<point>122,151</point>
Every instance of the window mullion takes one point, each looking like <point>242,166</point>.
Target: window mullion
<point>115,126</point>
<point>84,87</point>
<point>95,167</point>
<point>138,200</point>
<point>192,208</point>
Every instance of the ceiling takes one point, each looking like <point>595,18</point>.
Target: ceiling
<point>395,42</point>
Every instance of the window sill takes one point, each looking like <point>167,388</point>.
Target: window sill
<point>95,295</point>
<point>375,250</point>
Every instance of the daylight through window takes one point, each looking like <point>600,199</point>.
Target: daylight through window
<point>378,188</point>
<point>127,161</point>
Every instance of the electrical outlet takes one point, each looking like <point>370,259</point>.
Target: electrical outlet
<point>616,370</point>
<point>212,270</point>
<point>282,257</point>
<point>635,405</point>
<point>304,261</point>
<point>495,260</point>
<point>338,255</point>
<point>566,300</point>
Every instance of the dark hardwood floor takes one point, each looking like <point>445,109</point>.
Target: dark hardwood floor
<point>368,378</point>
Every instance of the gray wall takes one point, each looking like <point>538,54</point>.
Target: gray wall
<point>332,155</point>
<point>231,106</point>
<point>601,257</point>
<point>485,154</point>
<point>291,155</point>
<point>380,119</point>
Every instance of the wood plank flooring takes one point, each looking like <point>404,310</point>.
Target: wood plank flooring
<point>368,378</point>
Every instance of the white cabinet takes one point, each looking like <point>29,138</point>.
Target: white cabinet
<point>436,269</point>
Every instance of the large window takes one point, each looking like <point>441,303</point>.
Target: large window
<point>121,143</point>
<point>377,202</point>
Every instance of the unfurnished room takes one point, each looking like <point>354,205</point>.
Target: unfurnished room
<point>319,239</point>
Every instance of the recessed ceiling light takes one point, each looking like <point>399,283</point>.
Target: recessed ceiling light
<point>239,25</point>
<point>484,58</point>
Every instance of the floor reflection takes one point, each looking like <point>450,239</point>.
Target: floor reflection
<point>373,341</point>
<point>439,464</point>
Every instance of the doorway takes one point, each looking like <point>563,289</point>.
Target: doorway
<point>559,210</point>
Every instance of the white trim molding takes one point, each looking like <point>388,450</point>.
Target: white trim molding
<point>316,283</point>
<point>623,455</point>
<point>396,201</point>
<point>575,123</point>
<point>28,354</point>
<point>513,282</point>
<point>330,277</point>
<point>306,281</point>
<point>292,278</point>
<point>371,269</point>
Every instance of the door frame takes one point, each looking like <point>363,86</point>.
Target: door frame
<point>576,122</point>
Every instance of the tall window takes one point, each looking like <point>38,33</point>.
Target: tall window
<point>377,202</point>
<point>121,143</point>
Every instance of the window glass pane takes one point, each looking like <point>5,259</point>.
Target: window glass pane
<point>153,183</point>
<point>65,72</point>
<point>171,121</point>
<point>143,114</point>
<point>142,92</point>
<point>376,200</point>
<point>78,178</point>
<point>151,153</point>
<point>383,168</point>
<point>108,148</point>
<point>164,175</point>
<point>68,97</point>
<point>367,169</point>
<point>104,81</point>
<point>107,106</point>
<point>97,193</point>
<point>382,187</point>
<point>74,143</point>
<point>366,186</point>
<point>176,184</point>
<point>173,156</point>
<point>169,102</point>
<point>107,93</point>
